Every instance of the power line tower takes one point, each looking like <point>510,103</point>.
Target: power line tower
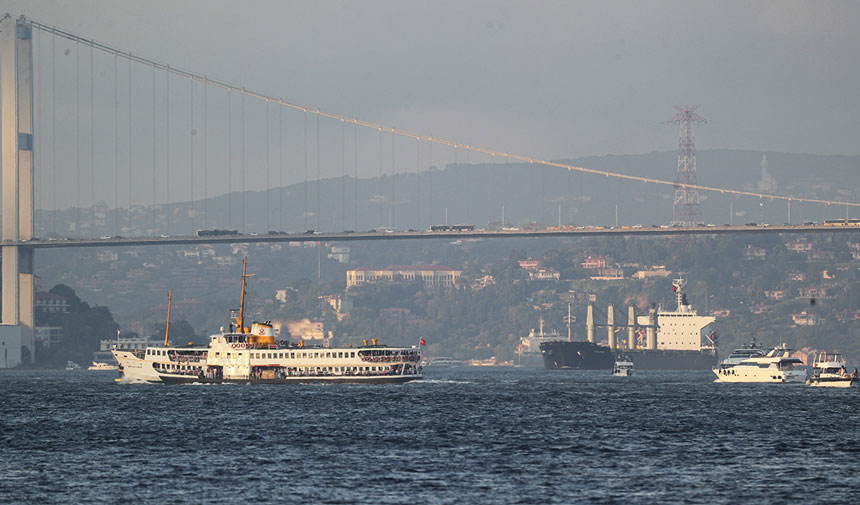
<point>686,211</point>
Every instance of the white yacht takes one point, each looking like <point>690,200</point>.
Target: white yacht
<point>252,355</point>
<point>623,367</point>
<point>71,366</point>
<point>776,366</point>
<point>741,354</point>
<point>99,366</point>
<point>828,370</point>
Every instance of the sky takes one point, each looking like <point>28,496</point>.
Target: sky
<point>551,79</point>
<point>548,79</point>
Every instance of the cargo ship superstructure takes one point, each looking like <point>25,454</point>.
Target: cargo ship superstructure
<point>679,339</point>
<point>252,355</point>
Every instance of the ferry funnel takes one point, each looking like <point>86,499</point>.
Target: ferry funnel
<point>610,326</point>
<point>589,323</point>
<point>631,327</point>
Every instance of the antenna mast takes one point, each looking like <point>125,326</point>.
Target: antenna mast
<point>167,329</point>
<point>686,210</point>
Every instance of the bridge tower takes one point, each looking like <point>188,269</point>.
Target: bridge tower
<point>16,170</point>
<point>686,210</point>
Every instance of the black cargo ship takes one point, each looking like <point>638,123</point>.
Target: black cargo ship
<point>591,356</point>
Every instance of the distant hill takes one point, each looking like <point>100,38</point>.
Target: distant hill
<point>477,193</point>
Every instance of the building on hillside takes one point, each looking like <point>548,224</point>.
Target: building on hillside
<point>594,262</point>
<point>805,318</point>
<point>608,274</point>
<point>482,282</point>
<point>544,274</point>
<point>107,256</point>
<point>339,254</point>
<point>48,336</point>
<point>49,302</point>
<point>821,255</point>
<point>753,252</point>
<point>812,292</point>
<point>777,294</point>
<point>433,276</point>
<point>307,330</point>
<point>529,264</point>
<point>796,276</point>
<point>656,271</point>
<point>799,245</point>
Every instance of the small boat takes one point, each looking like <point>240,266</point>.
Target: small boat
<point>72,366</point>
<point>828,370</point>
<point>623,367</point>
<point>98,366</point>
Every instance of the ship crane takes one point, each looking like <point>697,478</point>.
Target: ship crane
<point>632,326</point>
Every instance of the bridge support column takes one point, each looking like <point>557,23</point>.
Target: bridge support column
<point>16,170</point>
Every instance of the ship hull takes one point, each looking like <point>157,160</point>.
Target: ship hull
<point>590,356</point>
<point>394,379</point>
<point>576,355</point>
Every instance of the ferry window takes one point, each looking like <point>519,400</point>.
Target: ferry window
<point>292,355</point>
<point>340,355</point>
<point>316,355</point>
<point>352,354</point>
<point>217,354</point>
<point>229,354</point>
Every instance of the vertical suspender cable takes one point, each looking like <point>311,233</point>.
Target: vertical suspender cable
<point>342,175</point>
<point>467,197</point>
<point>229,159</point>
<point>281,165</point>
<point>54,135</point>
<point>391,220</point>
<point>78,136</point>
<point>430,182</point>
<point>130,143</point>
<point>319,175</point>
<point>205,156</point>
<point>192,132</point>
<point>418,178</point>
<point>379,181</point>
<point>92,142</point>
<point>115,145</point>
<point>242,161</point>
<point>355,178</point>
<point>167,146</point>
<point>268,170</point>
<point>305,152</point>
<point>154,161</point>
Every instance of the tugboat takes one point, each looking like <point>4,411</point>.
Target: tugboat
<point>623,367</point>
<point>828,370</point>
<point>251,355</point>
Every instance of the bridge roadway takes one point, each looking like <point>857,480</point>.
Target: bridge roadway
<point>627,231</point>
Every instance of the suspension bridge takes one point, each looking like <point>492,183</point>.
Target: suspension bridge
<point>103,147</point>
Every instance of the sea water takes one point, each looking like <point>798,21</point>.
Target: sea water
<point>460,436</point>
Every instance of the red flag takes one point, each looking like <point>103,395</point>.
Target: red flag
<point>422,341</point>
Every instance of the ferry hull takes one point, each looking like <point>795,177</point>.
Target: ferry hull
<point>392,379</point>
<point>590,356</point>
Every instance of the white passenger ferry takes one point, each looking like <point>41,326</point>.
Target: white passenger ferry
<point>776,366</point>
<point>252,355</point>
